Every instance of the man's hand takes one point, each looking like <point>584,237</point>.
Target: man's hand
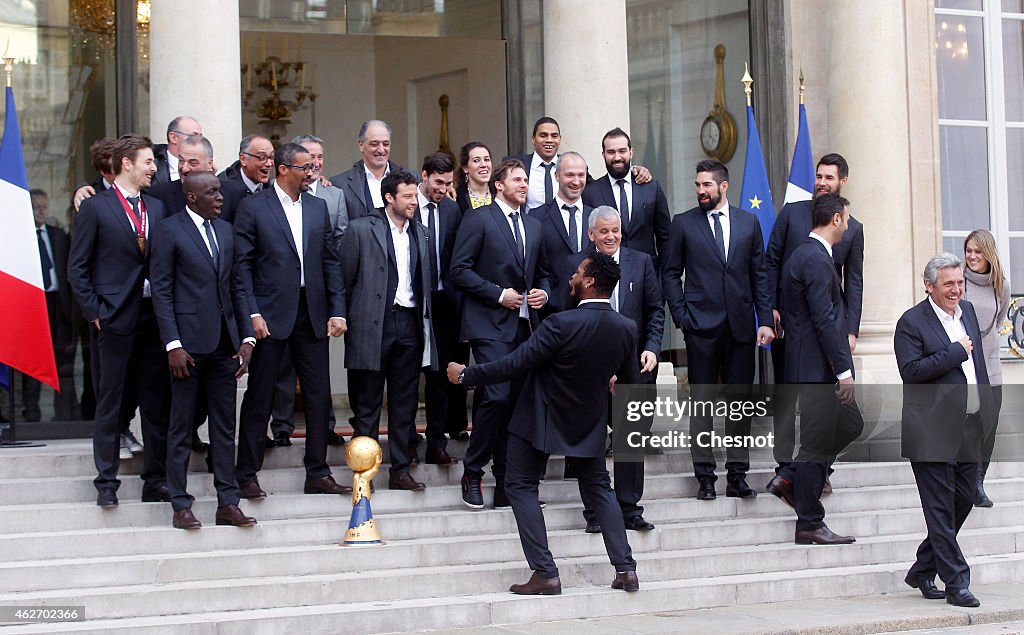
<point>96,323</point>
<point>765,335</point>
<point>336,327</point>
<point>179,360</point>
<point>852,340</point>
<point>641,175</point>
<point>611,384</point>
<point>259,327</point>
<point>965,341</point>
<point>83,193</point>
<point>450,192</point>
<point>454,370</point>
<point>778,321</point>
<point>846,391</point>
<point>512,299</point>
<point>324,181</point>
<point>536,299</point>
<point>243,356</point>
<point>648,361</point>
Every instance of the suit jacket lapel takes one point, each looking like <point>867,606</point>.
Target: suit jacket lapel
<point>114,205</point>
<point>555,218</point>
<point>308,220</point>
<point>379,229</point>
<point>498,217</point>
<point>705,230</point>
<point>193,233</point>
<point>353,184</point>
<point>735,222</point>
<point>277,211</point>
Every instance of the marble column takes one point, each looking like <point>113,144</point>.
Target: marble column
<point>195,70</point>
<point>586,76</point>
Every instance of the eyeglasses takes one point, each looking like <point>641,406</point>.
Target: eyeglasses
<point>305,168</point>
<point>262,158</point>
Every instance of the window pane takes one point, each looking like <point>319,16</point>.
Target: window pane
<point>952,244</point>
<point>1016,265</point>
<point>974,5</point>
<point>964,159</point>
<point>961,67</point>
<point>1013,6</point>
<point>1013,68</point>
<point>1015,166</point>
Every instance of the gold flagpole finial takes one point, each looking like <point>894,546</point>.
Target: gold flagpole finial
<point>748,82</point>
<point>8,62</point>
<point>801,84</point>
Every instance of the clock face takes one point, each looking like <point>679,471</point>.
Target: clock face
<point>710,135</point>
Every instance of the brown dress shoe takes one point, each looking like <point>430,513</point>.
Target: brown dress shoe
<point>627,581</point>
<point>826,489</point>
<point>405,481</point>
<point>782,489</point>
<point>325,485</point>
<point>251,489</point>
<point>232,515</point>
<point>538,586</point>
<point>184,519</point>
<point>439,456</point>
<point>822,536</point>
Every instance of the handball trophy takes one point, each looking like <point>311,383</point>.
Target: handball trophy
<point>363,456</point>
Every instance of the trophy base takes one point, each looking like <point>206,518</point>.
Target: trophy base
<point>361,543</point>
<point>364,534</point>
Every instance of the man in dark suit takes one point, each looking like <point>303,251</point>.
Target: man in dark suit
<point>202,311</point>
<point>573,357</point>
<point>721,250</point>
<point>495,267</point>
<point>790,231</point>
<point>440,216</point>
<point>818,359</point>
<point>195,154</point>
<point>166,154</point>
<point>251,173</point>
<point>947,410</point>
<point>644,210</point>
<point>288,263</point>
<point>387,271</point>
<point>53,255</point>
<point>361,183</point>
<point>108,269</point>
<point>563,222</point>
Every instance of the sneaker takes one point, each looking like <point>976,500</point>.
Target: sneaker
<point>125,452</point>
<point>133,444</point>
<point>471,494</point>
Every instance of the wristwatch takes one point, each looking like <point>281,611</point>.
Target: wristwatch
<point>462,375</point>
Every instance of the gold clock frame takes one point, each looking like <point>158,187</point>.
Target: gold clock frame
<point>719,115</point>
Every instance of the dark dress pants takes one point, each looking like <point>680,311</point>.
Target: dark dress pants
<point>522,481</point>
<point>947,498</point>
<point>283,411</point>
<point>437,387</point>
<point>457,420</point>
<point>401,357</point>
<point>783,408</point>
<point>140,356</point>
<point>711,360</point>
<point>311,358</point>
<point>492,408</point>
<point>215,372</point>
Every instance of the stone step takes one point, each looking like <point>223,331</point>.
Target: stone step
<point>324,611</point>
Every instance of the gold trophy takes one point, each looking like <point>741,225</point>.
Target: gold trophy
<point>364,456</point>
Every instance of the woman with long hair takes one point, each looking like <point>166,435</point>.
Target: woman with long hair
<point>986,287</point>
<point>474,175</point>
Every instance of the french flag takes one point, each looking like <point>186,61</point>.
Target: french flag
<point>25,342</point>
<point>801,171</point>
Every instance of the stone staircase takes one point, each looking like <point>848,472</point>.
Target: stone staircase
<point>445,566</point>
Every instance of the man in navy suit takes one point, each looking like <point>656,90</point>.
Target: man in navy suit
<point>947,410</point>
<point>642,204</point>
<point>721,251</point>
<point>108,269</point>
<point>790,231</point>
<point>573,357</point>
<point>818,359</point>
<point>563,221</point>
<point>202,311</point>
<point>287,259</point>
<point>195,154</point>
<point>495,265</point>
<point>361,183</point>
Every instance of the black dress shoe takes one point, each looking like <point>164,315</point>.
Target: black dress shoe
<point>501,498</point>
<point>184,519</point>
<point>251,489</point>
<point>324,485</point>
<point>826,488</point>
<point>926,586</point>
<point>282,439</point>
<point>439,456</point>
<point>593,527</point>
<point>627,581</point>
<point>459,436</point>
<point>538,586</point>
<point>472,495</point>
<point>961,597</point>
<point>269,443</point>
<point>637,523</point>
<point>405,481</point>
<point>334,438</point>
<point>232,515</point>
<point>706,491</point>
<point>198,445</point>
<point>822,536</point>
<point>107,499</point>
<point>781,489</point>
<point>158,495</point>
<point>981,499</point>
<point>738,488</point>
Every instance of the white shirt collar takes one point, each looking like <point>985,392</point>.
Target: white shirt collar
<point>939,311</point>
<point>284,197</point>
<point>423,200</point>
<point>369,175</point>
<point>537,161</point>
<point>394,227</point>
<point>723,207</point>
<point>560,202</point>
<point>196,218</point>
<point>820,239</point>
<point>249,183</point>
<point>172,161</point>
<point>313,186</point>
<point>628,178</point>
<point>124,192</point>
<point>505,209</point>
<point>595,300</point>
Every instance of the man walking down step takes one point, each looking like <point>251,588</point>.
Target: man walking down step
<point>572,358</point>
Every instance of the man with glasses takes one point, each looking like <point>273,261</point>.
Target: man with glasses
<point>289,265</point>
<point>166,155</point>
<point>251,173</point>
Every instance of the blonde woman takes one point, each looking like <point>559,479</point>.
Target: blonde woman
<point>986,287</point>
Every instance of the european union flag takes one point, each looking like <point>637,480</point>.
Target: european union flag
<point>801,171</point>
<point>755,195</point>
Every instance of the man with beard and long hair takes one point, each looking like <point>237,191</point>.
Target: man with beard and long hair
<point>790,231</point>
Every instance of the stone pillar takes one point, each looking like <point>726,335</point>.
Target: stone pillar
<point>586,76</point>
<point>195,70</point>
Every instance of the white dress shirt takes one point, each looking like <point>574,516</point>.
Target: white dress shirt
<point>435,240</point>
<point>615,292</point>
<point>400,239</point>
<point>172,166</point>
<point>374,184</point>
<point>565,217</point>
<point>293,212</point>
<point>146,292</point>
<point>524,309</point>
<point>954,327</point>
<point>312,187</point>
<point>629,191</point>
<point>724,209</point>
<point>249,183</point>
<point>535,174</point>
<point>41,231</point>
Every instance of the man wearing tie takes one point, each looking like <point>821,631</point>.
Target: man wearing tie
<point>108,269</point>
<point>721,251</point>
<point>288,262</point>
<point>440,215</point>
<point>495,267</point>
<point>202,311</point>
<point>251,173</point>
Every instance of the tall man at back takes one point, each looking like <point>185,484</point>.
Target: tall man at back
<point>361,183</point>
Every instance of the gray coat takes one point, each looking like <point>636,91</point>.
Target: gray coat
<point>364,267</point>
<point>337,209</point>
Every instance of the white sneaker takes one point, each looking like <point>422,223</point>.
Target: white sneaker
<point>134,444</point>
<point>126,448</point>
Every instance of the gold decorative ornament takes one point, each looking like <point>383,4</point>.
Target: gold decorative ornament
<point>363,456</point>
<point>718,132</point>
